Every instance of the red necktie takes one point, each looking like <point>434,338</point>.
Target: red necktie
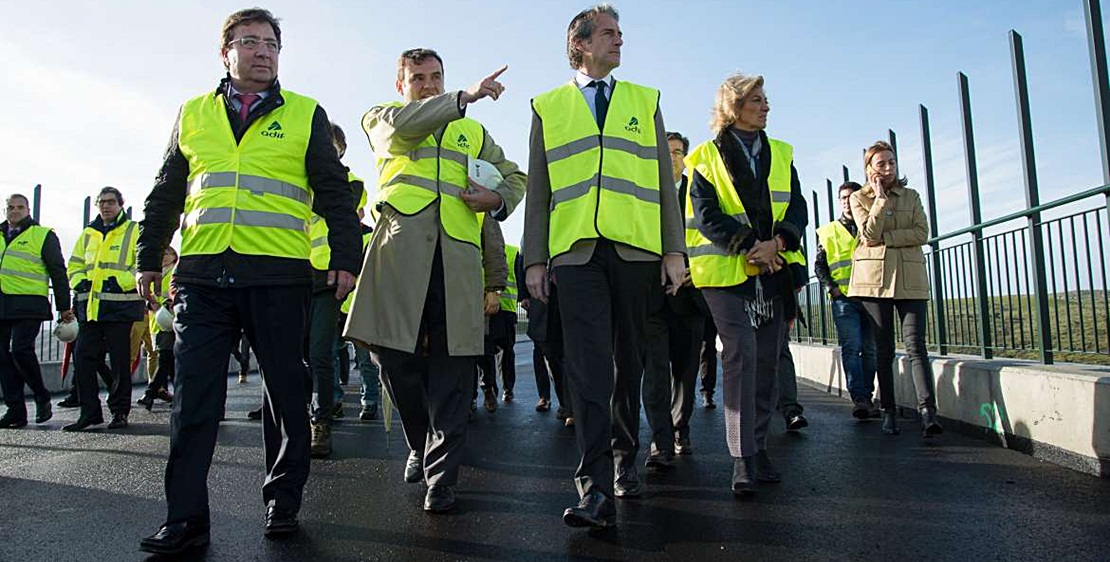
<point>245,103</point>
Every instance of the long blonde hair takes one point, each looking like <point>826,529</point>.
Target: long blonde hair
<point>730,97</point>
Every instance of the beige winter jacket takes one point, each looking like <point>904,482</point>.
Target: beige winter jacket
<point>888,262</point>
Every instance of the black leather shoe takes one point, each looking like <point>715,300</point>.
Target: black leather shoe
<point>660,460</point>
<point>12,421</point>
<point>682,446</point>
<point>627,483</point>
<point>119,421</point>
<point>414,468</point>
<point>794,422</point>
<point>743,481</point>
<point>890,422</point>
<point>764,470</point>
<point>165,396</point>
<point>69,402</point>
<point>709,403</point>
<point>861,408</point>
<point>43,412</point>
<point>593,510</point>
<point>280,522</point>
<point>84,423</point>
<point>255,414</point>
<point>147,401</point>
<point>439,499</point>
<point>175,538</point>
<point>930,427</point>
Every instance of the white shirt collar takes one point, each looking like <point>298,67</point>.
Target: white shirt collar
<point>582,80</point>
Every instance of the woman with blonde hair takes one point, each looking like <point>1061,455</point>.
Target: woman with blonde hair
<point>744,225</point>
<point>888,274</point>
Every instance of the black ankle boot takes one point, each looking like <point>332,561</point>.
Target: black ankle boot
<point>930,427</point>
<point>890,421</point>
<point>743,476</point>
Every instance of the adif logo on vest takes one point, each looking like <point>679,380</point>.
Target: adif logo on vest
<point>633,126</point>
<point>462,142</point>
<point>274,131</point>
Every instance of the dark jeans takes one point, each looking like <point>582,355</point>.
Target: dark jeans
<point>323,318</point>
<point>708,358</point>
<point>603,304</point>
<point>788,404</point>
<point>857,346</point>
<point>502,337</point>
<point>209,323</point>
<point>94,339</point>
<point>912,315</point>
<point>19,365</point>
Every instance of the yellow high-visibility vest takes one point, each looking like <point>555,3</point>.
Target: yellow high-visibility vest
<point>167,278</point>
<point>711,265</point>
<point>251,196</point>
<point>22,271</point>
<point>604,183</point>
<point>839,245</point>
<point>320,252</point>
<point>108,262</point>
<point>508,296</point>
<point>436,170</point>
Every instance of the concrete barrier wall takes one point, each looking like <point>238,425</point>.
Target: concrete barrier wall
<point>1059,413</point>
<point>52,376</point>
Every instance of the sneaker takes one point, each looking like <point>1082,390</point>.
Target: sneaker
<point>368,412</point>
<point>321,439</point>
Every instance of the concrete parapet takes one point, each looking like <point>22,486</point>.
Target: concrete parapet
<point>1058,413</point>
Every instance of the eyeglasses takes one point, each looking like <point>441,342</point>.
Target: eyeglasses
<point>253,43</point>
<point>677,153</point>
<point>108,202</point>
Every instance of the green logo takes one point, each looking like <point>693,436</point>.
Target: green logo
<point>274,131</point>
<point>633,126</point>
<point>462,142</point>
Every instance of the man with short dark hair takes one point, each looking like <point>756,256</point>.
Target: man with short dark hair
<point>107,303</point>
<point>30,258</point>
<point>602,214</point>
<point>419,302</point>
<point>247,164</point>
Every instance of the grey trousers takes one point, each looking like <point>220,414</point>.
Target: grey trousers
<point>749,363</point>
<point>788,380</point>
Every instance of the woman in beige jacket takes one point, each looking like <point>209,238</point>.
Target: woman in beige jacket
<point>888,273</point>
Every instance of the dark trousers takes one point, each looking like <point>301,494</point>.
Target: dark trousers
<point>547,353</point>
<point>685,335</point>
<point>708,357</point>
<point>242,355</point>
<point>502,336</point>
<point>787,404</point>
<point>912,315</point>
<point>671,348</point>
<point>749,376</point>
<point>323,318</point>
<point>164,372</point>
<point>208,326</point>
<point>431,389</point>
<point>604,304</point>
<point>19,365</point>
<point>94,339</point>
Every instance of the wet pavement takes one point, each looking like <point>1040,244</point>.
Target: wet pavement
<point>848,493</point>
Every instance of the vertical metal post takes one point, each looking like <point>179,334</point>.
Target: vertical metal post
<point>845,172</point>
<point>1096,41</point>
<point>128,211</point>
<point>893,142</point>
<point>982,297</point>
<point>1032,195</point>
<point>833,206</point>
<point>36,202</point>
<point>936,259</point>
<point>88,211</point>
<point>820,289</point>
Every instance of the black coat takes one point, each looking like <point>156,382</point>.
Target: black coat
<point>21,307</point>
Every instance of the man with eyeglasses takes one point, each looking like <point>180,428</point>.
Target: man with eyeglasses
<point>107,303</point>
<point>603,214</point>
<point>247,165</point>
<point>30,263</point>
<point>418,305</point>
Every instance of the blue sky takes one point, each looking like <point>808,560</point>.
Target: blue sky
<point>91,90</point>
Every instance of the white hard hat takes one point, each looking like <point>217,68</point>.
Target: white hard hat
<point>66,331</point>
<point>483,173</point>
<point>164,318</point>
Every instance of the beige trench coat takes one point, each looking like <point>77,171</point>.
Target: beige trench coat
<point>894,267</point>
<point>389,299</point>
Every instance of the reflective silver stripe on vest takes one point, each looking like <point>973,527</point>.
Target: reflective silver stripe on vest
<point>257,185</point>
<point>742,218</point>
<point>122,261</point>
<point>608,183</point>
<point>222,215</point>
<point>437,152</point>
<point>25,275</point>
<point>586,144</point>
<point>780,196</point>
<point>837,265</point>
<point>706,250</point>
<point>113,266</point>
<point>24,255</point>
<point>77,260</point>
<point>425,183</point>
<point>81,297</point>
<point>117,297</point>
<point>317,242</point>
